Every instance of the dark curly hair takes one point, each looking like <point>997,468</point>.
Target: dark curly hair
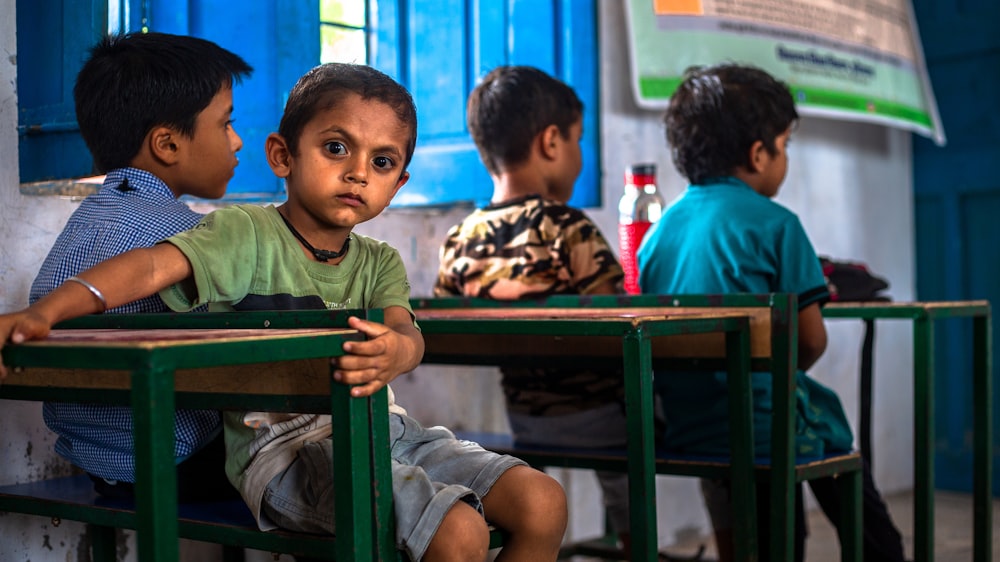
<point>718,112</point>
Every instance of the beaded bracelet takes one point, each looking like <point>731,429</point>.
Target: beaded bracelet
<point>94,290</point>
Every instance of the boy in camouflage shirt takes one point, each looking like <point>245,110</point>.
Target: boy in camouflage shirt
<point>527,243</point>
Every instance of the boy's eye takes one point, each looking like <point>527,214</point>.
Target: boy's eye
<point>335,147</point>
<point>229,123</point>
<point>383,162</point>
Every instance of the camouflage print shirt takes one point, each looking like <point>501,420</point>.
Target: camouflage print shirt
<point>532,247</point>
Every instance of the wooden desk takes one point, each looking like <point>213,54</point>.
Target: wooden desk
<point>146,359</point>
<point>490,335</point>
<point>923,315</point>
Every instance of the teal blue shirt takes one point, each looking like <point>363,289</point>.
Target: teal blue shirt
<point>722,238</point>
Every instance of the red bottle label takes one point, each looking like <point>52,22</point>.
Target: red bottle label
<point>629,238</point>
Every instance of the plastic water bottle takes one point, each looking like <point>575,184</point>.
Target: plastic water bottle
<point>639,207</point>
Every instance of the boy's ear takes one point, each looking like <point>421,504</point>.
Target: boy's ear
<point>162,142</point>
<point>758,157</point>
<point>278,155</point>
<point>548,140</point>
<point>403,178</point>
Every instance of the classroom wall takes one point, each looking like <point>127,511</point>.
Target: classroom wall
<point>849,183</point>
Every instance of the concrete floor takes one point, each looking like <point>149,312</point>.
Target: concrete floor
<point>952,536</point>
<point>952,528</point>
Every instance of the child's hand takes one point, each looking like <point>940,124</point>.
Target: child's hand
<point>20,327</point>
<point>392,348</point>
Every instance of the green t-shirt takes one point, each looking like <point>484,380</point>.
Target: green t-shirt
<point>245,258</point>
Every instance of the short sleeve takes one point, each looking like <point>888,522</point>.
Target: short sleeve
<point>446,284</point>
<point>590,261</point>
<point>392,287</point>
<point>222,250</point>
<point>800,271</point>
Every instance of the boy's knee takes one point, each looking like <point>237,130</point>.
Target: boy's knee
<point>462,536</point>
<point>542,503</point>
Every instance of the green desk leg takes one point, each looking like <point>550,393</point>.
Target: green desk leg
<point>983,423</point>
<point>103,543</point>
<point>784,352</point>
<point>352,475</point>
<point>741,443</point>
<point>385,520</point>
<point>923,439</point>
<point>156,477</point>
<point>851,524</point>
<point>638,364</point>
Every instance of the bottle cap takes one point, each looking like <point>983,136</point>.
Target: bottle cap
<point>640,174</point>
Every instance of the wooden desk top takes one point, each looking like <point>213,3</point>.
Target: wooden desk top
<point>155,338</point>
<point>457,334</point>
<point>902,310</point>
<point>207,360</point>
<point>589,314</point>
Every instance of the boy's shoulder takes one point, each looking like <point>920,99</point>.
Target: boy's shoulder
<point>524,220</point>
<point>533,206</point>
<point>734,195</point>
<point>134,202</point>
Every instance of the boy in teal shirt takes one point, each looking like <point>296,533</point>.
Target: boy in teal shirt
<point>728,127</point>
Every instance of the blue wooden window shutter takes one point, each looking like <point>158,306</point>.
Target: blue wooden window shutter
<point>50,52</point>
<point>439,48</point>
<point>436,48</point>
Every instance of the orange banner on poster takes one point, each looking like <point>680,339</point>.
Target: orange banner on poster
<point>678,7</point>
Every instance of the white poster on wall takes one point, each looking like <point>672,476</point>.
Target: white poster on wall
<point>847,59</point>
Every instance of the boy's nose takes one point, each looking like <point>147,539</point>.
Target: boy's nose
<point>358,174</point>
<point>235,141</point>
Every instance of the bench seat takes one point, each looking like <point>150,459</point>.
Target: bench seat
<point>666,463</point>
<point>227,522</point>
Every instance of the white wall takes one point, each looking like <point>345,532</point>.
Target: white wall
<point>849,183</point>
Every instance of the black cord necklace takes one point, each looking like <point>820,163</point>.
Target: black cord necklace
<point>321,255</point>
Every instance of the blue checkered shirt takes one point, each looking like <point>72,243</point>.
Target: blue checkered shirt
<point>133,209</point>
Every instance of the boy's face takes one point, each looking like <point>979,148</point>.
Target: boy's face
<point>570,163</point>
<point>775,166</point>
<point>349,165</point>
<point>207,160</point>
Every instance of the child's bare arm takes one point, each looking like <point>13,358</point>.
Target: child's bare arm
<point>812,335</point>
<point>120,280</point>
<point>392,348</point>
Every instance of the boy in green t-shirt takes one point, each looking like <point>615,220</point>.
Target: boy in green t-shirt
<point>343,144</point>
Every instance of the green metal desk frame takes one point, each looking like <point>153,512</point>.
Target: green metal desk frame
<point>636,335</point>
<point>923,315</point>
<point>783,472</point>
<point>360,425</point>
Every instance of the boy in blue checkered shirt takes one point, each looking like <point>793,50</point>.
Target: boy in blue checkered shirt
<point>155,111</point>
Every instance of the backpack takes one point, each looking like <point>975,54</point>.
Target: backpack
<point>853,282</point>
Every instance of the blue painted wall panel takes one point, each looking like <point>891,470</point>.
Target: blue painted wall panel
<point>957,201</point>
